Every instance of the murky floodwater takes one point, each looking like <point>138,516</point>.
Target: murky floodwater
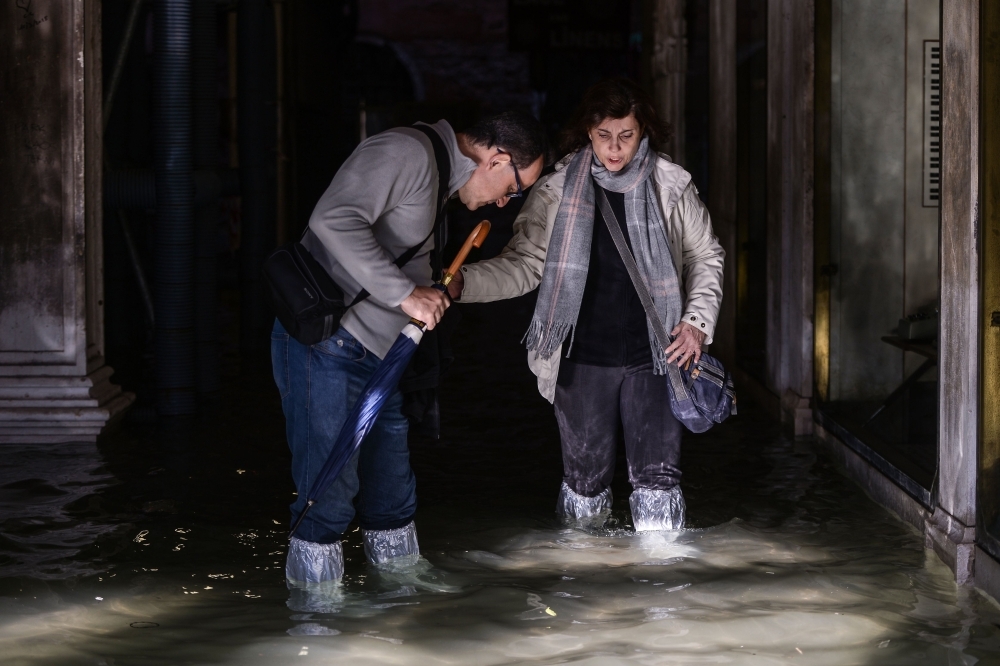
<point>166,547</point>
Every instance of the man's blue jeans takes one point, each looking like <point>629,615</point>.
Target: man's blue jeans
<point>319,385</point>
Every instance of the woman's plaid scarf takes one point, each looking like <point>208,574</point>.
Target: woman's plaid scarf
<point>568,254</point>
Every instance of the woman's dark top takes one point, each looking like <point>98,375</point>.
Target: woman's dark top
<point>611,329</point>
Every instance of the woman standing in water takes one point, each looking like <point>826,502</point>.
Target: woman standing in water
<point>596,358</point>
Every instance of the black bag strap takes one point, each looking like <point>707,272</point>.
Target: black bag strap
<point>444,178</point>
<point>608,213</point>
<point>437,231</point>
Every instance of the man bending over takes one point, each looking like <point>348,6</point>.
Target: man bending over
<point>383,201</point>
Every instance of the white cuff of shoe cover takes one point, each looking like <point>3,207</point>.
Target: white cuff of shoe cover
<point>574,507</point>
<point>310,562</point>
<point>655,510</point>
<point>384,545</point>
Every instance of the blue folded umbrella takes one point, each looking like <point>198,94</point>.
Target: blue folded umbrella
<point>366,410</point>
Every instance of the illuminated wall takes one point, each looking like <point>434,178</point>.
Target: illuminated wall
<point>884,215</point>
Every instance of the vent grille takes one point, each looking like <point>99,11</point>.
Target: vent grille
<point>932,122</point>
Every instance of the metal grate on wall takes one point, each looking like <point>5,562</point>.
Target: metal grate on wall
<point>932,122</point>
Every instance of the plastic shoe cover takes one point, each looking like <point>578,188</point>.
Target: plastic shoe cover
<point>384,545</point>
<point>580,510</point>
<point>310,562</point>
<point>654,510</point>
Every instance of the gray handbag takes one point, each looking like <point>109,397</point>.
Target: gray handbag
<point>701,394</point>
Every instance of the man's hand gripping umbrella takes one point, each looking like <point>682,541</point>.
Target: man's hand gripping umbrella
<point>382,384</point>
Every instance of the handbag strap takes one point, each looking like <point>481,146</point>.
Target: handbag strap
<point>673,371</point>
<point>614,227</point>
<point>437,231</point>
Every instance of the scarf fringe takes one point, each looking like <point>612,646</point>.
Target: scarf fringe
<point>659,355</point>
<point>544,339</point>
<point>659,362</point>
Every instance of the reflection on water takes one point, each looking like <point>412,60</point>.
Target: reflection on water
<point>732,593</point>
<point>167,547</point>
<point>38,484</point>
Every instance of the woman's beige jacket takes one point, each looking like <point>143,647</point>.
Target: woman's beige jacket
<point>518,269</point>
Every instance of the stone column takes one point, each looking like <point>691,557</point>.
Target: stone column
<point>790,168</point>
<point>54,384</point>
<point>722,161</point>
<point>951,530</point>
<point>669,69</point>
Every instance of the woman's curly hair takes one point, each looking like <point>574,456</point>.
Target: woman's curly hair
<point>614,98</point>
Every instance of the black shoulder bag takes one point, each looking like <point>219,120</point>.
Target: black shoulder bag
<point>306,300</point>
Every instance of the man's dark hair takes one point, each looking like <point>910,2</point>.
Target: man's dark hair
<point>514,132</point>
<point>614,98</point>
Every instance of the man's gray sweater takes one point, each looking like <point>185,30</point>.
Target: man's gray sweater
<point>381,203</point>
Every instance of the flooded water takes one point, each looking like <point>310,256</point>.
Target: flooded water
<point>166,546</point>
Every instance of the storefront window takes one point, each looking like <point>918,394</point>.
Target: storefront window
<point>878,339</point>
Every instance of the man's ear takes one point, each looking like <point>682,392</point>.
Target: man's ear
<point>500,159</point>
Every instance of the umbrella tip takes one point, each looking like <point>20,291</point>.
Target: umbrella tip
<point>302,516</point>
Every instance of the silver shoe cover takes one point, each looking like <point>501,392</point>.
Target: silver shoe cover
<point>654,510</point>
<point>310,562</point>
<point>384,545</point>
<point>577,509</point>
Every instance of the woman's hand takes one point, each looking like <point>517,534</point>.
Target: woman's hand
<point>456,286</point>
<point>687,344</point>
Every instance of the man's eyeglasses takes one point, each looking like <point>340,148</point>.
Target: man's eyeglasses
<point>517,177</point>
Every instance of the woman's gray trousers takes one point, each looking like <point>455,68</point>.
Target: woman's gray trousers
<point>593,404</point>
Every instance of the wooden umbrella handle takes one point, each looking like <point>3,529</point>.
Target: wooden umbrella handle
<point>475,239</point>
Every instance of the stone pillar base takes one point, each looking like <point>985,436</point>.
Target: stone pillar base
<point>49,410</point>
<point>796,411</point>
<point>953,542</point>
